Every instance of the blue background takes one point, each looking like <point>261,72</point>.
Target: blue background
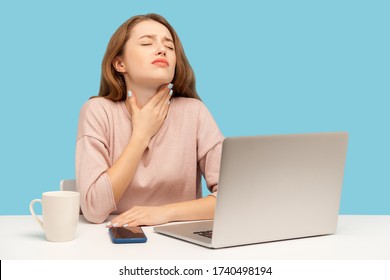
<point>262,67</point>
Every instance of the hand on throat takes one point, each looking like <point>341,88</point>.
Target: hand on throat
<point>142,94</point>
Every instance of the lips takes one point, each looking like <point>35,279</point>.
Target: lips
<point>161,61</point>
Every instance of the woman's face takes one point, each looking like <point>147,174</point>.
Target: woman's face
<point>149,56</point>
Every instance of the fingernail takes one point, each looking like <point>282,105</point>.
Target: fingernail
<point>170,86</point>
<point>125,225</point>
<point>108,224</point>
<point>170,92</point>
<point>169,102</point>
<point>115,225</point>
<point>129,93</point>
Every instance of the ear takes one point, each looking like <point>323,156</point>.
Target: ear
<point>119,65</point>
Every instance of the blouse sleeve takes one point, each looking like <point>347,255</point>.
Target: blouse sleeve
<point>209,142</point>
<point>92,161</point>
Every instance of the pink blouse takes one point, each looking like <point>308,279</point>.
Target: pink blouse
<point>188,144</point>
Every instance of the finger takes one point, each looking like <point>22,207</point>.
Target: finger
<point>114,222</point>
<point>161,95</point>
<point>164,113</point>
<point>129,218</point>
<point>164,106</point>
<point>166,97</point>
<point>134,223</point>
<point>132,102</point>
<point>121,220</point>
<point>156,99</point>
<point>136,217</point>
<point>164,100</point>
<point>128,221</point>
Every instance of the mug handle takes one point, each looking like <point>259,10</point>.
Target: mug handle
<point>32,210</point>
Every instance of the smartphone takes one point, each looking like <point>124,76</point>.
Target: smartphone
<point>127,235</point>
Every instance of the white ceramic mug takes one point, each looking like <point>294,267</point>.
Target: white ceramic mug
<point>60,214</point>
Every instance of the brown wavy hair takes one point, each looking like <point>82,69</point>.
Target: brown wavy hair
<point>112,83</point>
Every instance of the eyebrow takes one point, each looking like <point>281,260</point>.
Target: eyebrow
<point>154,37</point>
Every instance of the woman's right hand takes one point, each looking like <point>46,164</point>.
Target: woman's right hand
<point>148,120</point>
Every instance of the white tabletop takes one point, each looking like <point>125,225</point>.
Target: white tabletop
<point>357,237</point>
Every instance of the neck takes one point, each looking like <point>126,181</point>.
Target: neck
<point>142,93</point>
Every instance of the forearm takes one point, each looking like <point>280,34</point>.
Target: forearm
<point>146,122</point>
<point>121,173</point>
<point>198,209</point>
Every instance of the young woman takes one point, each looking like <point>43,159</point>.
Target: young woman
<point>145,141</point>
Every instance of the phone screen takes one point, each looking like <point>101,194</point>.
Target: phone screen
<point>130,232</point>
<point>127,235</point>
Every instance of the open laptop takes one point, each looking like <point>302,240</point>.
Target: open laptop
<point>272,188</point>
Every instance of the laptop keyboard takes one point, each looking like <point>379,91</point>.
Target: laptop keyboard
<point>205,233</point>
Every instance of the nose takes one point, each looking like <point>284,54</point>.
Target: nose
<point>161,50</point>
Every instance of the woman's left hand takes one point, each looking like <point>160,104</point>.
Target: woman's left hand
<point>141,216</point>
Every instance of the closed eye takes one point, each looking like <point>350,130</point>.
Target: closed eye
<point>149,44</point>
